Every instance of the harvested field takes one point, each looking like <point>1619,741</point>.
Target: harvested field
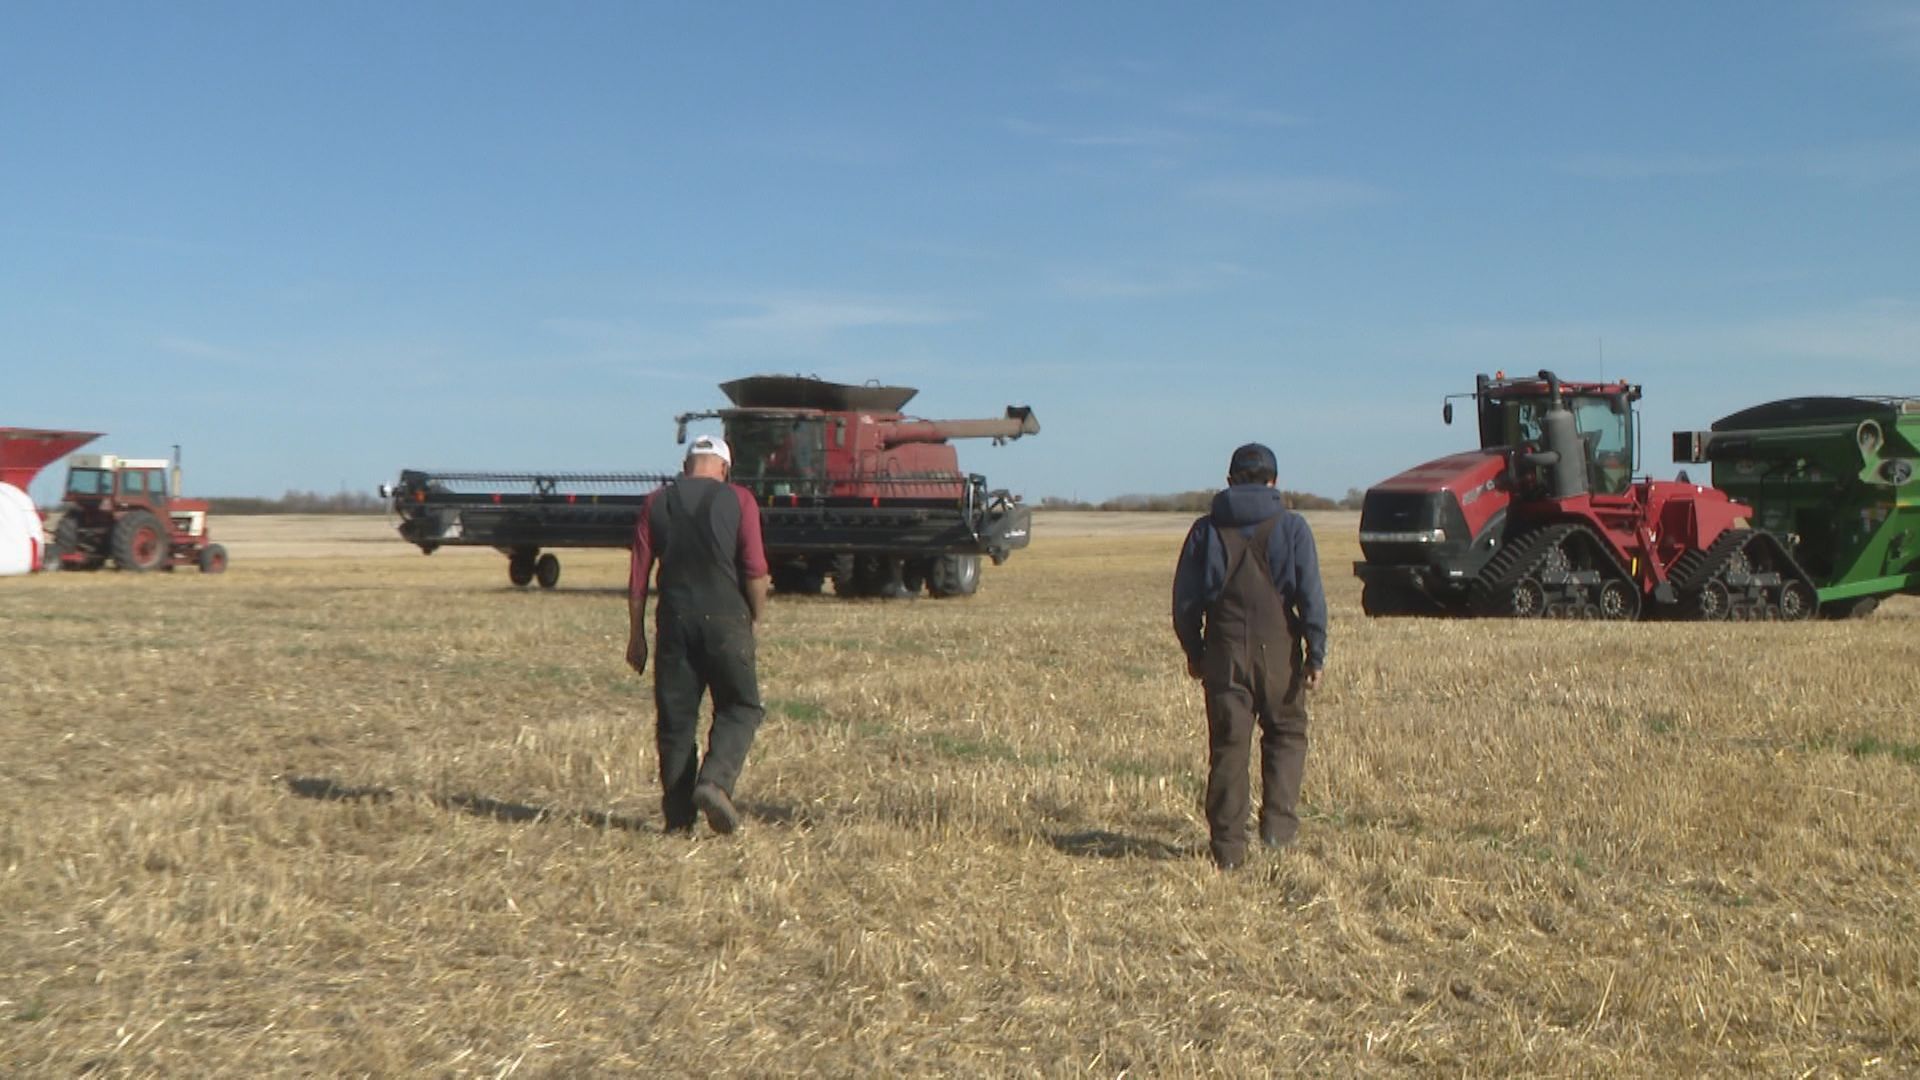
<point>338,815</point>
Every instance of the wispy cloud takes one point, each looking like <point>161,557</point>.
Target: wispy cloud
<point>1227,109</point>
<point>1290,196</point>
<point>1132,138</point>
<point>1647,166</point>
<point>813,316</point>
<point>1863,164</point>
<point>196,349</point>
<point>1882,333</point>
<point>1138,283</point>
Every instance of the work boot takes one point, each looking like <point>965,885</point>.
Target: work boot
<point>709,798</point>
<point>1274,836</point>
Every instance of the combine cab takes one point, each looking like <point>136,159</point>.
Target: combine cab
<point>850,490</point>
<point>129,511</point>
<point>1840,477</point>
<point>1546,518</point>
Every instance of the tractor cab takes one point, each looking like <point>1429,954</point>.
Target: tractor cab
<point>1593,453</point>
<point>94,479</point>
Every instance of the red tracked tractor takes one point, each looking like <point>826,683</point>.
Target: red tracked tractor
<point>1547,519</point>
<point>129,510</point>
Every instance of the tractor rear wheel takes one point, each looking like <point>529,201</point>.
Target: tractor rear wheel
<point>141,542</point>
<point>546,570</point>
<point>213,559</point>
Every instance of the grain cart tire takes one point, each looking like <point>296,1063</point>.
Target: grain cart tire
<point>546,570</point>
<point>955,575</point>
<point>520,568</point>
<point>213,559</point>
<point>141,542</point>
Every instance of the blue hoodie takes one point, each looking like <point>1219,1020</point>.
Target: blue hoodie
<point>1291,556</point>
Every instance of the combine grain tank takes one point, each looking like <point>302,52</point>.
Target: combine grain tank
<point>1838,477</point>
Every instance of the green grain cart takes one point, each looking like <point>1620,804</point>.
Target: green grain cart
<point>1839,476</point>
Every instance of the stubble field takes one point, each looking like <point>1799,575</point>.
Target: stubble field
<point>351,811</point>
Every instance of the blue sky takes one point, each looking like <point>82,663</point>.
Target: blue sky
<point>316,243</point>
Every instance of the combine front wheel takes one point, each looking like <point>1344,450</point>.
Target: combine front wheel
<point>140,542</point>
<point>955,575</point>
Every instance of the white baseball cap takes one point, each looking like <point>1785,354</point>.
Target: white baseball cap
<point>711,444</point>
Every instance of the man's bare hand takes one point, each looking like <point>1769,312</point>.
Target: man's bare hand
<point>1312,679</point>
<point>637,654</point>
<point>1196,670</point>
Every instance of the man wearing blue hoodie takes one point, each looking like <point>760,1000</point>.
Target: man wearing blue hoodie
<point>1251,616</point>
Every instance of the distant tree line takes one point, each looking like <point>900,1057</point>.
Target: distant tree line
<point>1198,502</point>
<point>299,502</point>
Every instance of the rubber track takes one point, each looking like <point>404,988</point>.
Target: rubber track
<point>1696,568</point>
<point>1515,561</point>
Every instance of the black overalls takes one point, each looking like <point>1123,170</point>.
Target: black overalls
<point>1253,668</point>
<point>703,642</point>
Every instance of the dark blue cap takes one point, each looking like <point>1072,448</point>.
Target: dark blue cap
<point>1252,458</point>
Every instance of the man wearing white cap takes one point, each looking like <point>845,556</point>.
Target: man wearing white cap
<point>705,535</point>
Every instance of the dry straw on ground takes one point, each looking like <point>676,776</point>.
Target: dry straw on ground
<point>338,816</point>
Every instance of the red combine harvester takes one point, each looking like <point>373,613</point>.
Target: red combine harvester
<point>1547,519</point>
<point>850,489</point>
<point>129,510</point>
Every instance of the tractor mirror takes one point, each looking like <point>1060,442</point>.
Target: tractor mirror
<point>1446,412</point>
<point>680,432</point>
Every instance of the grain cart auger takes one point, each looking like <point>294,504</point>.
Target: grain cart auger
<point>1838,476</point>
<point>849,489</point>
<point>1546,518</point>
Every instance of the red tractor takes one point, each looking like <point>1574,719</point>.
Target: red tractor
<point>1547,519</point>
<point>129,510</point>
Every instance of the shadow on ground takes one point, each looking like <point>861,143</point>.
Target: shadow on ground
<point>1101,844</point>
<point>320,787</point>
